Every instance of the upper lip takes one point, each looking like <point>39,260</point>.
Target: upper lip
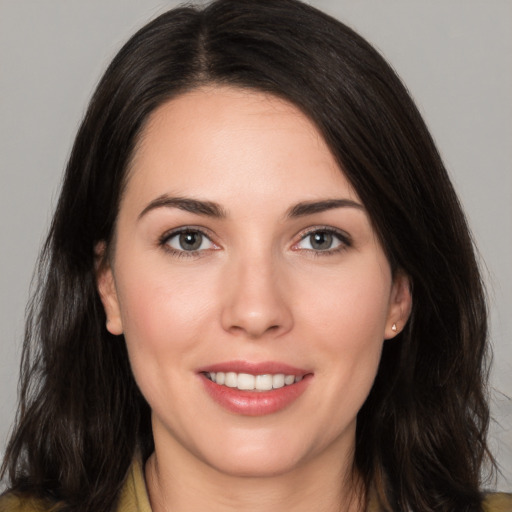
<point>252,368</point>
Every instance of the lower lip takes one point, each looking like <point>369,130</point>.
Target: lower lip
<point>255,403</point>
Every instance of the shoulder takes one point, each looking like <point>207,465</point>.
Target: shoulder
<point>133,496</point>
<point>498,502</point>
<point>12,502</point>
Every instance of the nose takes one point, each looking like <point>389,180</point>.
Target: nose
<point>255,303</point>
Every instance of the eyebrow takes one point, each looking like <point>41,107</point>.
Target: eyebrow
<point>312,207</point>
<point>206,208</point>
<point>211,209</point>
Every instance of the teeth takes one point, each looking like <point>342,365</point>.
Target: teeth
<point>278,380</point>
<point>248,382</point>
<point>289,379</point>
<point>263,382</point>
<point>231,380</point>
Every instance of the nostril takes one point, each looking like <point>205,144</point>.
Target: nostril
<point>254,331</point>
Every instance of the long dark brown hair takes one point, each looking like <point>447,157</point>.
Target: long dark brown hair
<point>421,434</point>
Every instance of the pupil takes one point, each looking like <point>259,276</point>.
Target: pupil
<point>191,241</point>
<point>321,241</point>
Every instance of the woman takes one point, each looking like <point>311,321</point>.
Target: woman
<point>258,291</point>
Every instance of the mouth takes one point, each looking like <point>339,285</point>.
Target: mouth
<point>249,382</point>
<point>255,389</point>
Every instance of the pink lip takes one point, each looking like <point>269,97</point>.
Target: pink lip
<point>262,368</point>
<point>255,403</point>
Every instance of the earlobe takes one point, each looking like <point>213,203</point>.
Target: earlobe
<point>400,305</point>
<point>107,290</point>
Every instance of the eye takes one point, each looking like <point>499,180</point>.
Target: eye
<point>323,240</point>
<point>187,240</point>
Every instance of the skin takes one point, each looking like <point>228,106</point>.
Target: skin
<point>256,290</point>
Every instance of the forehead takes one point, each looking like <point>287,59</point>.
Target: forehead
<point>217,140</point>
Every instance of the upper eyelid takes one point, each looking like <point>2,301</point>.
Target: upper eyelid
<point>164,242</point>
<point>183,229</point>
<point>330,229</point>
<point>343,235</point>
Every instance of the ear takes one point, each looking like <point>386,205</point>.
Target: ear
<point>107,290</point>
<point>399,306</point>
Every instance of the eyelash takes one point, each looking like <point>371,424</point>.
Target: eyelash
<point>169,235</point>
<point>343,238</point>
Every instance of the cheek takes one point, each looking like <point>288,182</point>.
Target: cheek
<point>347,319</point>
<point>351,307</point>
<point>351,336</point>
<point>160,313</point>
<point>159,306</point>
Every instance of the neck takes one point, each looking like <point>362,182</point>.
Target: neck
<point>319,485</point>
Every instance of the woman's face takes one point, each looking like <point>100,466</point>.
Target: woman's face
<point>243,256</point>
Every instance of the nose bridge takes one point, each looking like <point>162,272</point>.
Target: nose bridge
<point>255,304</point>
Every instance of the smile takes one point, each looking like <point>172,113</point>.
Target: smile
<point>248,382</point>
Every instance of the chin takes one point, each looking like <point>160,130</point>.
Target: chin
<point>258,459</point>
<point>257,467</point>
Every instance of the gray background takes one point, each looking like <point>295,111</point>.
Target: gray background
<point>454,55</point>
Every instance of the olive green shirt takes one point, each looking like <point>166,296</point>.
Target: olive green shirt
<point>134,498</point>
